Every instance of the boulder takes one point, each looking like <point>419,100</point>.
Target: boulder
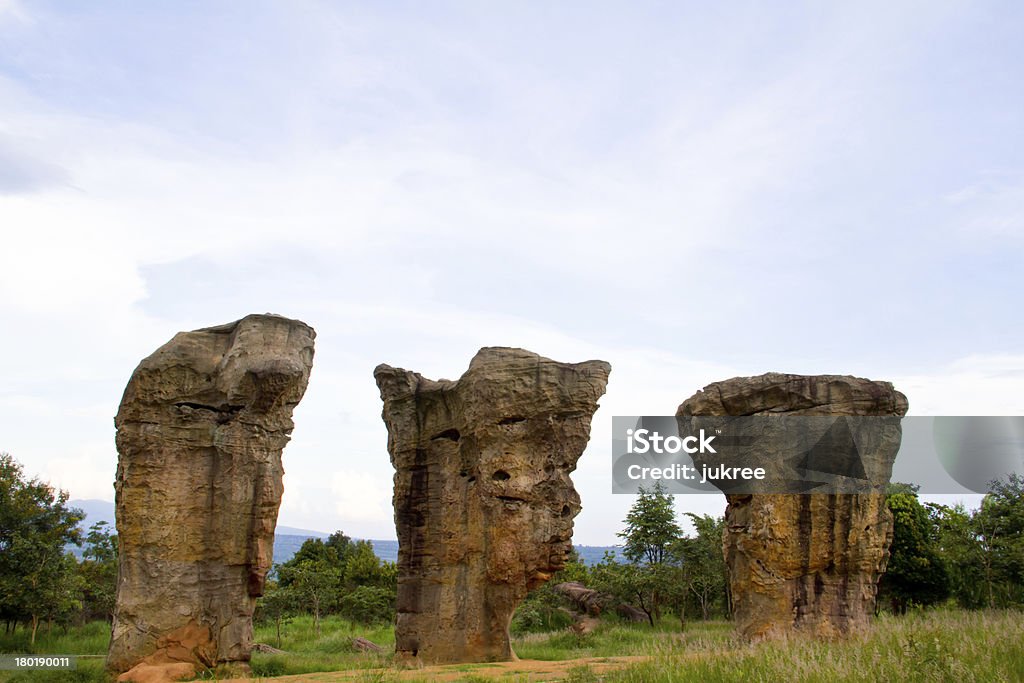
<point>484,505</point>
<point>200,432</point>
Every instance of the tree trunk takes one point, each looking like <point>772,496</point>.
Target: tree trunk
<point>35,627</point>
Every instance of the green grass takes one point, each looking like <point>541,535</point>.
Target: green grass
<point>332,651</point>
<point>938,646</point>
<point>90,640</point>
<point>923,647</point>
<point>616,639</point>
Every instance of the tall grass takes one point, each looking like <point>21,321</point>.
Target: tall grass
<point>935,646</point>
<point>305,652</point>
<point>89,640</point>
<point>938,646</point>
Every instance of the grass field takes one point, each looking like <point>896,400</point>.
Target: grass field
<point>930,646</point>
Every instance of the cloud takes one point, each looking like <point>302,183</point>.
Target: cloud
<point>361,496</point>
<point>974,385</point>
<point>22,172</point>
<point>13,11</point>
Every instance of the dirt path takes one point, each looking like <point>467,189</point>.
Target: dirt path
<point>523,670</point>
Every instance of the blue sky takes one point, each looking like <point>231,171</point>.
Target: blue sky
<point>688,192</point>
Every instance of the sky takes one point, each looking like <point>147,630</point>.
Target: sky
<point>689,191</point>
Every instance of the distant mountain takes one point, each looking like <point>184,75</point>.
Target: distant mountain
<point>95,511</point>
<point>288,540</point>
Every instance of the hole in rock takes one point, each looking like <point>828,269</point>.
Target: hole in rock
<point>450,434</point>
<point>512,420</point>
<point>501,475</point>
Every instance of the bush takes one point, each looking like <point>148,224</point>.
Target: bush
<point>369,605</point>
<point>268,668</point>
<point>535,617</point>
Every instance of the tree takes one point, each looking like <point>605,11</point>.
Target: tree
<point>704,572</point>
<point>277,603</point>
<point>316,584</point>
<point>650,526</point>
<point>650,531</point>
<point>916,573</point>
<point>999,527</point>
<point>322,572</point>
<point>368,605</point>
<point>37,580</point>
<point>98,572</point>
<point>962,550</point>
<point>631,583</point>
<point>362,566</point>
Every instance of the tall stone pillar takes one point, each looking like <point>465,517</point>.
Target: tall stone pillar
<point>484,504</point>
<point>200,432</point>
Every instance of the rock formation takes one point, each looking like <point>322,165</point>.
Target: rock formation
<point>806,562</point>
<point>200,432</point>
<point>483,499</point>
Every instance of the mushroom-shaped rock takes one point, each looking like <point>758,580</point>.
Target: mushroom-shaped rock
<point>806,562</point>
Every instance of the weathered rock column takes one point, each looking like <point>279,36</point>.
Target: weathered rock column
<point>483,499</point>
<point>806,562</point>
<point>200,432</point>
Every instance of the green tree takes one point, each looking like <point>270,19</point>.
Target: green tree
<point>362,566</point>
<point>916,574</point>
<point>649,535</point>
<point>322,572</point>
<point>962,551</point>
<point>37,579</point>
<point>645,586</point>
<point>316,584</point>
<point>277,604</point>
<point>703,567</point>
<point>98,572</point>
<point>650,527</point>
<point>999,527</point>
<point>368,604</point>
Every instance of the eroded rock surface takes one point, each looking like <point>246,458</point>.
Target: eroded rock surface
<point>200,432</point>
<point>484,505</point>
<point>806,562</point>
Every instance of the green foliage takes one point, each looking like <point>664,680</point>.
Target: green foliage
<point>916,574</point>
<point>999,529</point>
<point>38,581</point>
<point>650,526</point>
<point>98,573</point>
<point>643,586</point>
<point>704,573</point>
<point>336,576</point>
<point>535,616</point>
<point>369,605</point>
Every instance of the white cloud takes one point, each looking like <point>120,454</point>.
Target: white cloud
<point>974,385</point>
<point>13,11</point>
<point>361,496</point>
